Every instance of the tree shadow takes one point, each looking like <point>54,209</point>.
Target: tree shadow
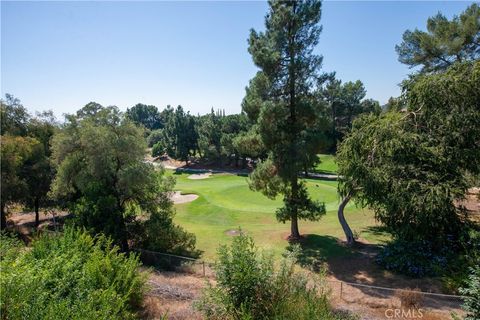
<point>357,265</point>
<point>377,230</point>
<point>316,249</point>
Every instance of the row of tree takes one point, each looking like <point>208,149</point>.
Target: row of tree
<point>232,139</point>
<point>93,166</point>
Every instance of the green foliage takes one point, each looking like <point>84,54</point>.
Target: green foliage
<point>345,102</point>
<point>38,169</point>
<point>13,117</point>
<point>410,168</point>
<point>16,152</point>
<point>395,104</point>
<point>233,126</point>
<point>73,276</point>
<point>100,169</point>
<point>472,292</point>
<point>249,144</point>
<point>248,286</point>
<point>158,149</point>
<point>102,176</point>
<point>209,129</point>
<point>280,99</point>
<point>178,138</point>
<point>415,259</point>
<point>146,115</point>
<point>25,151</point>
<point>9,246</point>
<point>154,137</point>
<point>465,257</point>
<point>444,43</point>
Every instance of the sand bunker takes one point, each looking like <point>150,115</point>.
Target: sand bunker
<point>177,197</point>
<point>198,176</point>
<point>234,232</point>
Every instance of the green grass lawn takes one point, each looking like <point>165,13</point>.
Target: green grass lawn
<point>225,202</point>
<point>327,164</point>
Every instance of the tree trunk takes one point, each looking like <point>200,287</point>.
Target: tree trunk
<point>37,215</point>
<point>341,218</point>
<point>3,222</point>
<point>306,170</point>
<point>294,232</point>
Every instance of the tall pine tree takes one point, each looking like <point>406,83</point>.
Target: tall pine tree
<point>280,99</point>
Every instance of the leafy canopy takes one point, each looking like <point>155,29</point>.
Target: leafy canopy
<point>411,167</point>
<point>104,180</point>
<point>444,43</point>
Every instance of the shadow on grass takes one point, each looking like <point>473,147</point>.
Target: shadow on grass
<point>377,230</point>
<point>317,249</point>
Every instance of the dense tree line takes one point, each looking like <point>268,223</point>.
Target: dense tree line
<point>234,139</point>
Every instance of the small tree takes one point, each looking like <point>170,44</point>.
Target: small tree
<point>38,170</point>
<point>15,153</point>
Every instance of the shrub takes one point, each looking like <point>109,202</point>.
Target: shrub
<point>250,287</point>
<point>415,259</point>
<point>466,257</point>
<point>73,276</point>
<point>158,149</point>
<point>9,246</point>
<point>160,233</point>
<point>410,298</point>
<point>154,137</point>
<point>472,291</point>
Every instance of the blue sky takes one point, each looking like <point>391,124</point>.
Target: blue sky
<point>61,55</point>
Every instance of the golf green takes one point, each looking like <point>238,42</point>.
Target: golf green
<point>226,203</point>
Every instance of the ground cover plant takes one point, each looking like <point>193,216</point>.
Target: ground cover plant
<point>72,276</point>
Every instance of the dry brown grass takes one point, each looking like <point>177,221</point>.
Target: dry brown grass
<point>410,298</point>
<point>156,308</point>
<point>172,295</point>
